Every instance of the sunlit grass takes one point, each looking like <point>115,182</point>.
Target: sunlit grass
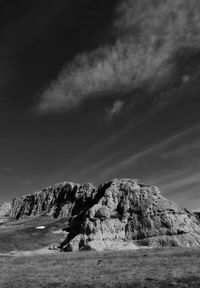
<point>153,268</point>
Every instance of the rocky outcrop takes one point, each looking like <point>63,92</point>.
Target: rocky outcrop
<point>197,215</point>
<point>121,214</point>
<point>61,200</point>
<point>5,209</point>
<point>4,212</point>
<point>127,212</point>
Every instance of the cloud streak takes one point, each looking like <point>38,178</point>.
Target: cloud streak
<point>147,35</point>
<point>158,148</point>
<point>115,109</point>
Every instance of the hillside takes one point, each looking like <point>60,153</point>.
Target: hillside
<point>128,212</point>
<point>120,214</point>
<point>100,91</point>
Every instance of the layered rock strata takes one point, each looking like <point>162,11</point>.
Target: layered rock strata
<point>121,214</point>
<point>197,215</point>
<point>128,212</point>
<point>61,200</point>
<point>4,212</point>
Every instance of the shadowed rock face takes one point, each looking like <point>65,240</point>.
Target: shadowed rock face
<point>122,213</point>
<point>127,211</point>
<point>61,200</point>
<point>197,215</point>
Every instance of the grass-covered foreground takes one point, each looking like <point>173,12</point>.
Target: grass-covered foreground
<point>145,268</point>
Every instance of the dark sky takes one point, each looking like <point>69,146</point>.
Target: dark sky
<point>103,137</point>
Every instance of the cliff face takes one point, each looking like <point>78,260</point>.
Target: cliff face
<point>128,212</point>
<point>4,212</point>
<point>61,200</point>
<point>121,213</point>
<point>197,215</point>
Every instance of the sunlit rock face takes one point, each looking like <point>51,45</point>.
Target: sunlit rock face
<point>120,214</point>
<point>60,200</point>
<point>126,211</point>
<point>4,212</point>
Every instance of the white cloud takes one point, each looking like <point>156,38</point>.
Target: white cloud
<point>147,37</point>
<point>115,109</point>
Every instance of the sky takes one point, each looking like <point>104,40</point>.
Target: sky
<point>95,91</point>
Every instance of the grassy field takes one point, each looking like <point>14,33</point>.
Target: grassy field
<point>149,268</point>
<point>175,267</point>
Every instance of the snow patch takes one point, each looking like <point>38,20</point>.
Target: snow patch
<point>40,227</point>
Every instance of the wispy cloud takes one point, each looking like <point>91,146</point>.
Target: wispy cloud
<point>115,109</point>
<point>156,148</point>
<point>147,36</point>
<point>181,183</point>
<point>178,169</point>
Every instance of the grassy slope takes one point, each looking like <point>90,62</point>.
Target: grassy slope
<point>22,235</point>
<point>153,268</point>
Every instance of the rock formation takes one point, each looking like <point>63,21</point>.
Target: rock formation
<point>60,200</point>
<point>122,213</point>
<point>197,215</point>
<point>4,212</point>
<point>128,212</point>
<point>5,209</point>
